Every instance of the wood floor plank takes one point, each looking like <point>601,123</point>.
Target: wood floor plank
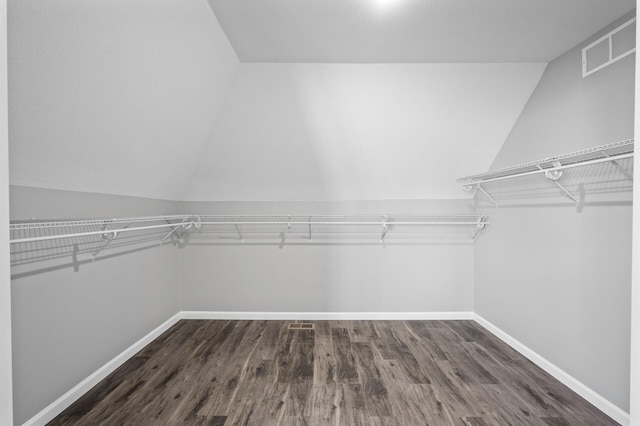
<point>271,336</point>
<point>475,421</point>
<point>323,404</point>
<point>362,331</point>
<point>374,373</point>
<point>346,369</point>
<point>408,407</point>
<point>86,404</point>
<point>516,408</point>
<point>393,339</point>
<point>296,399</point>
<point>296,356</point>
<point>425,336</point>
<point>373,387</point>
<point>295,421</point>
<point>228,364</point>
<point>258,404</point>
<point>324,372</point>
<point>555,421</point>
<point>353,410</point>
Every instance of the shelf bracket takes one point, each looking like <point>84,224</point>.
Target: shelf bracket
<point>238,230</point>
<point>309,228</point>
<point>619,167</point>
<point>468,186</point>
<point>186,224</point>
<point>480,224</point>
<point>385,228</point>
<point>173,231</point>
<point>108,235</point>
<point>481,189</point>
<point>554,175</point>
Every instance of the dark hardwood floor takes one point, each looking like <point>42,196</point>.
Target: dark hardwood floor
<point>342,372</point>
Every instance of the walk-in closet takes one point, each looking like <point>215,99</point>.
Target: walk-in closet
<point>329,212</point>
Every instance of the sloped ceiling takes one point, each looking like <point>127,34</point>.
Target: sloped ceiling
<point>359,131</point>
<point>148,98</point>
<point>113,96</point>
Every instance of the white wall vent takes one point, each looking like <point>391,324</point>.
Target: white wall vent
<point>609,48</point>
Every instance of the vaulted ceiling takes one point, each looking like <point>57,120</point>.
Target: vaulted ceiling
<point>162,98</point>
<point>359,131</point>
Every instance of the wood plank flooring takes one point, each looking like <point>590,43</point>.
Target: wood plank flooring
<point>342,373</point>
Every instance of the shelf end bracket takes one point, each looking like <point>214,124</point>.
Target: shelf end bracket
<point>238,230</point>
<point>385,228</point>
<point>480,224</point>
<point>553,174</point>
<point>481,189</point>
<point>619,167</point>
<point>108,235</point>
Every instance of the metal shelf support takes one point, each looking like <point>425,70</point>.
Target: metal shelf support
<point>554,175</point>
<point>385,228</point>
<point>239,232</point>
<point>480,224</point>
<point>481,189</point>
<point>108,235</point>
<point>619,167</point>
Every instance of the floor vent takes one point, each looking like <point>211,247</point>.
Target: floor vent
<point>301,326</point>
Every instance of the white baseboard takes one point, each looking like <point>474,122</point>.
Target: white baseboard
<point>60,404</point>
<point>318,316</point>
<point>571,382</point>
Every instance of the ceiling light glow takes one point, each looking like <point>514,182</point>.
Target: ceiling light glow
<point>386,4</point>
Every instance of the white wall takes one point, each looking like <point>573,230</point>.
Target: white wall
<point>553,276</point>
<point>70,318</point>
<point>298,276</point>
<point>358,131</point>
<point>108,93</point>
<point>6,390</point>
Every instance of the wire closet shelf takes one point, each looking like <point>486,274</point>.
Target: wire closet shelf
<point>553,167</point>
<point>241,227</point>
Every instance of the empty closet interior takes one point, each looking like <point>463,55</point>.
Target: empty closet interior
<point>173,161</point>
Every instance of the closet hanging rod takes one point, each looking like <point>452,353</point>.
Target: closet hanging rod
<point>109,232</point>
<point>379,223</point>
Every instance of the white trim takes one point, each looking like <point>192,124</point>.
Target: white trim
<point>60,404</point>
<point>6,374</point>
<point>634,389</point>
<point>574,384</point>
<point>217,315</point>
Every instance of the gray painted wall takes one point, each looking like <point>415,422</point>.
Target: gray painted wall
<point>556,277</point>
<point>435,276</point>
<point>68,323</point>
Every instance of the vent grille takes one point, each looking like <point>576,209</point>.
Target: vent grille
<point>609,48</point>
<point>301,326</point>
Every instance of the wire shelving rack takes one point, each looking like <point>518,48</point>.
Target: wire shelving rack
<point>553,168</point>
